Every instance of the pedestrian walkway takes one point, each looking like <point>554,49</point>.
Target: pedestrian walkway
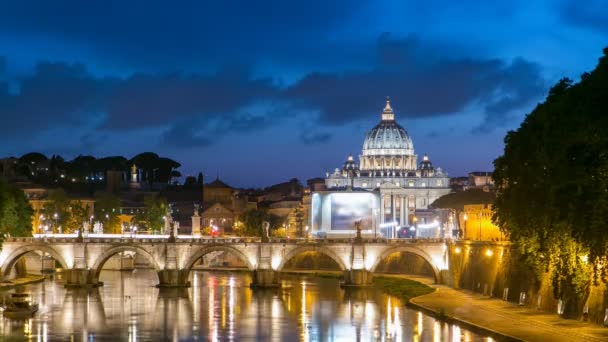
<point>508,319</point>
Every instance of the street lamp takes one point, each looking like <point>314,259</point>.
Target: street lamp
<point>56,217</point>
<point>465,218</point>
<point>480,215</point>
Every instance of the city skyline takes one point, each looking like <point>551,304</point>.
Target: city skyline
<point>225,89</point>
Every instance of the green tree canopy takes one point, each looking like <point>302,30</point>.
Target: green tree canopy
<point>151,217</point>
<point>56,211</point>
<point>553,183</point>
<point>252,221</point>
<point>107,210</point>
<point>15,211</point>
<point>457,200</point>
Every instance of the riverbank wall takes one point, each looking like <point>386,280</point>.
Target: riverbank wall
<point>495,269</point>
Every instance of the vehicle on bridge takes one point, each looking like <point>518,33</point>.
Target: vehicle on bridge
<point>406,232</point>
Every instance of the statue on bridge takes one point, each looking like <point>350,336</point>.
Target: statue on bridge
<point>265,231</point>
<point>358,238</point>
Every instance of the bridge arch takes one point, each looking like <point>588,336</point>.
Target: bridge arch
<point>303,249</point>
<point>12,258</point>
<point>412,250</point>
<point>108,253</point>
<point>214,248</point>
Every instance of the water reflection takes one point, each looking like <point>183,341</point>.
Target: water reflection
<point>220,306</point>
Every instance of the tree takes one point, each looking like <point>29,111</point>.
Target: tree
<point>252,221</point>
<point>190,182</point>
<point>552,185</point>
<point>15,211</point>
<point>55,212</point>
<point>151,217</point>
<point>77,216</point>
<point>107,210</point>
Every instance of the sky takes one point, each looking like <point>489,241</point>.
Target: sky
<point>260,92</point>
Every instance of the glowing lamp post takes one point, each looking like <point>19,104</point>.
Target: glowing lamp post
<point>465,218</point>
<point>56,217</point>
<point>480,216</point>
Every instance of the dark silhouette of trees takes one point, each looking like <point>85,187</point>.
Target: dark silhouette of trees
<point>553,185</point>
<point>15,212</point>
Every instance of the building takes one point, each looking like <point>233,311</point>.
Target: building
<point>476,223</point>
<point>481,180</point>
<point>383,190</point>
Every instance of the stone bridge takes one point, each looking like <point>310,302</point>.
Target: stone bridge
<point>83,258</point>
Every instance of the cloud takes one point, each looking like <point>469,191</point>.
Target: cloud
<point>197,109</point>
<point>422,81</point>
<point>314,137</point>
<point>592,14</point>
<point>55,94</point>
<point>152,35</point>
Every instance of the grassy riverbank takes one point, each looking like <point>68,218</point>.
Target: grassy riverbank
<point>402,288</point>
<point>320,274</point>
<point>28,279</point>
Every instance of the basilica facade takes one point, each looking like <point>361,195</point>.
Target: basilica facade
<point>389,173</point>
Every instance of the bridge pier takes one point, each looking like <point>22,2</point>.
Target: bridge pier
<point>80,278</point>
<point>265,278</point>
<point>172,279</point>
<point>357,278</point>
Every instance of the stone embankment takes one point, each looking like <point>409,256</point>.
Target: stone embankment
<point>504,321</point>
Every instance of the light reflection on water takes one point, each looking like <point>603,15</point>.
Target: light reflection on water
<point>221,307</point>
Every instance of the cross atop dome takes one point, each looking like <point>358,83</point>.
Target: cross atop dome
<point>387,113</point>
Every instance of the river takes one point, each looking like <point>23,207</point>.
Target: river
<point>220,307</point>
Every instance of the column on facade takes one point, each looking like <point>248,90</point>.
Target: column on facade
<point>407,210</point>
<point>381,208</point>
<point>393,206</point>
<point>403,216</point>
<point>394,214</point>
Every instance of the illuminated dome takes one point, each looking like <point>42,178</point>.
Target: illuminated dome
<point>388,137</point>
<point>388,149</point>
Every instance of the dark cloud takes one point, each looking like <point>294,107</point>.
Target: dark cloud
<point>420,85</point>
<point>55,94</point>
<point>314,137</point>
<point>147,100</point>
<point>194,108</point>
<point>2,66</point>
<point>153,35</point>
<point>592,14</point>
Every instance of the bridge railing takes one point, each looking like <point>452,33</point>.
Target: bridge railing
<point>130,238</point>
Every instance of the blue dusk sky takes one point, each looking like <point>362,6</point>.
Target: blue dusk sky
<point>264,91</point>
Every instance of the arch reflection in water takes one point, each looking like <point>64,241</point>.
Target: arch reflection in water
<point>220,306</point>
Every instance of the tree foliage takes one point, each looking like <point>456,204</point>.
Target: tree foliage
<point>457,200</point>
<point>553,183</point>
<point>252,220</point>
<point>15,211</point>
<point>151,217</point>
<point>107,210</point>
<point>56,211</point>
<point>63,215</point>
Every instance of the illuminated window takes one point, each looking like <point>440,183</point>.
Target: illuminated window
<point>423,185</point>
<point>439,183</point>
<point>364,184</point>
<point>411,184</point>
